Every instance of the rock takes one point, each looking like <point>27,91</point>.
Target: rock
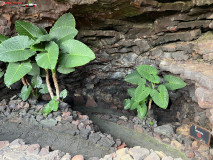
<point>54,155</point>
<point>160,154</point>
<point>190,154</point>
<point>183,129</point>
<point>152,156</point>
<point>91,102</point>
<point>138,153</point>
<point>16,143</point>
<point>49,122</point>
<point>203,148</point>
<point>78,157</point>
<point>66,157</point>
<point>39,118</point>
<point>94,137</point>
<point>94,158</point>
<point>84,133</point>
<point>3,144</point>
<point>126,157</point>
<point>44,151</point>
<point>177,145</point>
<point>166,130</point>
<point>167,158</point>
<point>104,141</point>
<point>121,152</point>
<point>33,149</point>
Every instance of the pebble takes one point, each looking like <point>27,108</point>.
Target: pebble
<point>166,130</point>
<point>138,152</point>
<point>78,157</point>
<point>152,156</point>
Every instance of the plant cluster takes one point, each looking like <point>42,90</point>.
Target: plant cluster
<point>34,53</point>
<point>146,77</point>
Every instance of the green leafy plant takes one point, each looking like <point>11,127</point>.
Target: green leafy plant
<point>146,77</point>
<point>35,50</point>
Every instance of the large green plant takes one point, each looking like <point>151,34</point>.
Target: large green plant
<point>146,77</point>
<point>34,50</point>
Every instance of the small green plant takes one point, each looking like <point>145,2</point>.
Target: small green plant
<point>35,51</point>
<point>146,77</point>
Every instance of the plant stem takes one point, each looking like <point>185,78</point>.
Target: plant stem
<point>28,84</point>
<point>48,84</point>
<point>149,107</point>
<point>23,81</point>
<point>56,84</point>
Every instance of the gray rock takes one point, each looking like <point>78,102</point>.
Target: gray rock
<point>94,158</point>
<point>49,122</point>
<point>39,118</point>
<point>167,158</point>
<point>84,133</point>
<point>54,155</point>
<point>152,156</point>
<point>166,130</point>
<point>104,141</point>
<point>139,153</point>
<point>142,44</point>
<point>94,137</point>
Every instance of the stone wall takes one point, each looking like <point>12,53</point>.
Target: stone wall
<point>174,36</point>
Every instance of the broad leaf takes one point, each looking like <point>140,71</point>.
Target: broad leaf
<point>135,78</point>
<point>173,82</point>
<point>48,60</point>
<point>160,97</point>
<point>65,70</point>
<point>42,38</point>
<point>65,20</point>
<point>35,69</point>
<point>15,49</point>
<point>142,111</point>
<point>127,104</point>
<point>149,73</point>
<point>25,92</point>
<point>43,89</point>
<point>134,105</point>
<point>131,92</point>
<point>36,81</point>
<point>63,33</point>
<point>37,47</point>
<point>3,38</point>
<point>15,71</point>
<point>142,93</point>
<point>51,106</point>
<point>63,94</point>
<point>28,29</point>
<point>75,54</point>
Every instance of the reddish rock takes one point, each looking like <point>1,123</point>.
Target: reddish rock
<point>33,148</point>
<point>190,154</point>
<point>65,114</point>
<point>46,97</point>
<point>122,145</point>
<point>44,151</point>
<point>75,122</point>
<point>139,128</point>
<point>3,144</point>
<point>78,157</point>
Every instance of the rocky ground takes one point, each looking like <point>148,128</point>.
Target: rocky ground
<point>25,120</point>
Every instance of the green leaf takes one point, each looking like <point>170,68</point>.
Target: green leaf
<point>51,106</point>
<point>63,33</point>
<point>35,69</point>
<point>37,47</point>
<point>142,92</point>
<point>15,49</point>
<point>149,73</point>
<point>36,81</point>
<point>173,82</point>
<point>25,92</point>
<point>65,70</point>
<point>63,94</point>
<point>127,104</point>
<point>3,38</point>
<point>15,71</point>
<point>142,111</point>
<point>135,78</point>
<point>42,38</point>
<point>131,92</point>
<point>28,29</point>
<point>43,89</point>
<point>65,20</point>
<point>78,54</point>
<point>48,60</point>
<point>135,105</point>
<point>160,98</point>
